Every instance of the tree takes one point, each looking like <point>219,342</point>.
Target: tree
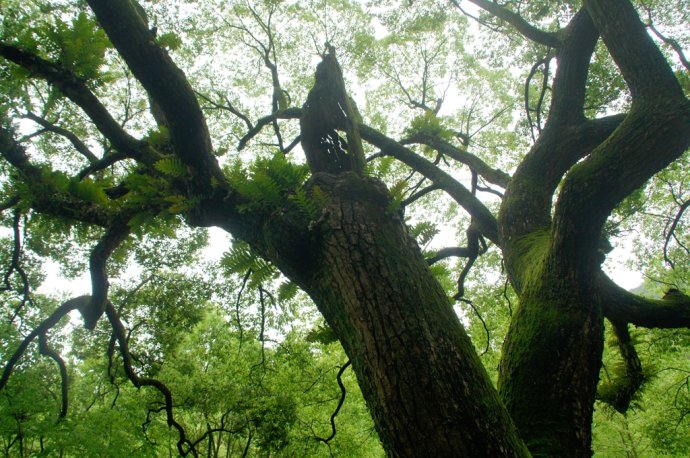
<point>332,227</point>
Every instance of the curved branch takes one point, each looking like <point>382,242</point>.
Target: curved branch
<point>481,318</point>
<point>343,392</point>
<point>48,351</point>
<point>79,145</point>
<point>633,377</point>
<point>101,164</point>
<point>419,194</point>
<point>16,253</point>
<point>226,106</point>
<point>113,237</point>
<point>78,92</point>
<point>290,113</point>
<point>72,304</point>
<point>121,335</point>
<point>671,230</point>
<point>527,30</point>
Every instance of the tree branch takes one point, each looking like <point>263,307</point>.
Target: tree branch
<point>77,91</point>
<point>113,237</point>
<point>76,142</point>
<point>343,392</point>
<point>72,304</point>
<point>624,307</point>
<point>495,176</point>
<point>632,379</point>
<point>191,140</point>
<point>290,113</point>
<point>486,222</point>
<point>46,350</point>
<point>659,121</point>
<point>121,335</point>
<point>57,203</point>
<point>526,29</point>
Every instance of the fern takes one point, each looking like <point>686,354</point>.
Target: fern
<point>171,166</point>
<point>287,291</point>
<point>398,194</point>
<point>267,182</point>
<point>424,232</point>
<point>241,258</point>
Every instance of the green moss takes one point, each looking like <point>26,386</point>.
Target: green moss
<point>527,256</point>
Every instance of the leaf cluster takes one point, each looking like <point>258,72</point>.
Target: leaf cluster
<point>267,182</point>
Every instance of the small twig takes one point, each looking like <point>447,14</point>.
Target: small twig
<point>479,315</point>
<point>543,61</point>
<point>228,107</point>
<point>671,232</point>
<point>245,279</point>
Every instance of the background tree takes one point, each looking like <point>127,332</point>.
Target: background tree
<point>116,134</point>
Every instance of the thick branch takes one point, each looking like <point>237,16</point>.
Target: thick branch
<point>113,237</point>
<point>574,56</point>
<point>166,84</point>
<point>644,68</point>
<point>622,306</point>
<point>76,90</point>
<point>449,252</point>
<point>521,25</point>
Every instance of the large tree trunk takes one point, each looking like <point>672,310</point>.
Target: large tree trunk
<point>421,377</point>
<point>552,353</point>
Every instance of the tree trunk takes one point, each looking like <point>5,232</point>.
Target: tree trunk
<point>551,360</point>
<point>420,375</point>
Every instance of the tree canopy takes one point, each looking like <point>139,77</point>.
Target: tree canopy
<point>425,205</point>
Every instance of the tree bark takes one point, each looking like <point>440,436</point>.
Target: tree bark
<point>421,377</point>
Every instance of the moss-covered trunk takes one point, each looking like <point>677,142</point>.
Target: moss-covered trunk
<point>552,356</point>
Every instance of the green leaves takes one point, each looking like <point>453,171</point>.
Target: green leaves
<point>430,125</point>
<point>78,45</point>
<point>267,182</point>
<point>171,166</point>
<point>241,259</point>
